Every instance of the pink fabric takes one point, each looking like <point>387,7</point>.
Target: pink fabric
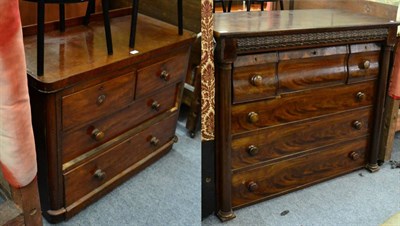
<point>17,148</point>
<point>394,87</point>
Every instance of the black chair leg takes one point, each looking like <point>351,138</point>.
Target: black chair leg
<point>281,4</point>
<point>40,38</point>
<point>107,26</point>
<point>262,6</point>
<point>135,9</point>
<point>62,16</point>
<point>223,6</point>
<point>229,6</point>
<point>180,17</point>
<point>89,11</point>
<point>248,3</point>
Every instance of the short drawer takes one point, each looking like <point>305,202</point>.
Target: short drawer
<point>304,105</point>
<point>364,62</point>
<point>161,74</point>
<point>114,162</point>
<point>298,138</point>
<point>78,141</point>
<point>254,77</point>
<point>310,68</point>
<point>97,101</point>
<point>271,180</point>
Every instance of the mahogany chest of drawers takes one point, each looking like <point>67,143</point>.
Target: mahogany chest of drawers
<point>99,119</point>
<point>299,100</point>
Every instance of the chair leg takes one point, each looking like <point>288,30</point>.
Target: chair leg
<point>107,26</point>
<point>223,6</point>
<point>248,3</point>
<point>40,38</point>
<point>281,4</point>
<point>180,17</point>
<point>89,11</point>
<point>229,6</point>
<point>135,9</point>
<point>262,6</point>
<point>62,16</point>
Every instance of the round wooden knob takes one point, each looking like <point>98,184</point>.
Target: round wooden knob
<point>354,155</point>
<point>357,125</point>
<point>101,99</point>
<point>366,64</point>
<point>252,150</point>
<point>97,135</point>
<point>164,75</point>
<point>252,117</point>
<point>99,174</point>
<point>154,141</point>
<point>155,105</point>
<point>360,96</point>
<point>252,186</point>
<point>256,80</point>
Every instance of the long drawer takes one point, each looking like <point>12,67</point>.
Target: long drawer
<point>270,180</point>
<point>294,107</point>
<point>297,138</point>
<point>82,139</point>
<point>112,162</point>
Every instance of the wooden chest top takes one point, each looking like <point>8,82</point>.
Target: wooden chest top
<point>80,53</point>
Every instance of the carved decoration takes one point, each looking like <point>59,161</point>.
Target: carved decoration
<point>276,41</point>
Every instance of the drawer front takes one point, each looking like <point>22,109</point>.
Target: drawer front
<point>97,101</point>
<point>364,62</point>
<point>297,138</point>
<point>161,74</point>
<point>94,173</point>
<point>301,74</point>
<point>290,108</point>
<point>271,180</point>
<point>76,142</point>
<point>254,82</point>
<point>254,77</point>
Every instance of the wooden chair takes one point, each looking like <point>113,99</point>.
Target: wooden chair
<point>249,2</point>
<point>21,206</point>
<point>135,10</point>
<point>40,25</point>
<point>192,92</point>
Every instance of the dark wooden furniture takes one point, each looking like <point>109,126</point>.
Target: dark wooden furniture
<point>299,100</point>
<point>41,25</point>
<point>21,206</point>
<point>99,119</point>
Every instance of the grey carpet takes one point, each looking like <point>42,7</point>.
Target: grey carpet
<point>356,199</point>
<point>165,193</point>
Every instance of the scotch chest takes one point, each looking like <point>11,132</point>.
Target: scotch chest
<point>99,119</point>
<point>299,100</point>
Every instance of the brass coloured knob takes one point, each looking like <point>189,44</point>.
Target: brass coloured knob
<point>357,125</point>
<point>164,75</point>
<point>360,96</point>
<point>101,99</point>
<point>252,150</point>
<point>97,134</point>
<point>354,155</point>
<point>252,117</point>
<point>154,141</point>
<point>99,174</point>
<point>366,64</point>
<point>252,186</point>
<point>256,80</point>
<point>155,105</point>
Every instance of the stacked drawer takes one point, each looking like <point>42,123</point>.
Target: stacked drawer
<point>299,117</point>
<point>116,127</point>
